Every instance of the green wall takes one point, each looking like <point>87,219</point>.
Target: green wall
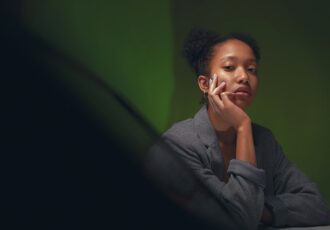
<point>135,46</point>
<point>127,43</point>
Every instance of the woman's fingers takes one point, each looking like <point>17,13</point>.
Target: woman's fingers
<point>212,83</point>
<point>218,90</point>
<point>214,92</point>
<point>227,97</point>
<point>222,103</point>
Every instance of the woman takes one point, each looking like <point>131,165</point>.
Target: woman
<point>239,162</point>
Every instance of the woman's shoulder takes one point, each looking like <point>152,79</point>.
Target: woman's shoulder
<point>258,128</point>
<point>180,138</point>
<point>261,132</point>
<point>181,131</point>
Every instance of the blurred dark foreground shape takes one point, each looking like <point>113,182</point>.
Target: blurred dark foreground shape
<point>62,169</point>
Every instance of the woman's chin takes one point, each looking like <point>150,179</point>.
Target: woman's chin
<point>242,104</point>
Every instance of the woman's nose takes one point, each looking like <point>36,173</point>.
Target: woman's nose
<point>242,76</point>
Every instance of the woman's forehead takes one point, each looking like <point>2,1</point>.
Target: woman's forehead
<point>234,49</point>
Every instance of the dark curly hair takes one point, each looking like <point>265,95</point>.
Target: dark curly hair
<point>198,47</point>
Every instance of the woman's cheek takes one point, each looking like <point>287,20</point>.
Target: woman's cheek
<point>226,80</point>
<point>225,76</point>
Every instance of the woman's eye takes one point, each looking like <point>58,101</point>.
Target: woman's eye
<point>229,67</point>
<point>252,70</point>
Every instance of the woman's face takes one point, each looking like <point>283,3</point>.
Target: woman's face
<point>233,61</point>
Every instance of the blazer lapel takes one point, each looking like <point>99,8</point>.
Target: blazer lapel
<point>207,135</point>
<point>204,128</point>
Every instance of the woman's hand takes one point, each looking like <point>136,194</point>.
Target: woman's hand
<point>223,106</point>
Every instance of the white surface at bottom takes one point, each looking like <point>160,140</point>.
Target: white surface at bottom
<point>302,228</point>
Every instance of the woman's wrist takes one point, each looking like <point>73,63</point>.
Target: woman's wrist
<point>245,147</point>
<point>245,126</point>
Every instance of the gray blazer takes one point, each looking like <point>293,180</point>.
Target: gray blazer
<point>276,183</point>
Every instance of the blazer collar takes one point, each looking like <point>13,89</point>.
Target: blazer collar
<point>204,128</point>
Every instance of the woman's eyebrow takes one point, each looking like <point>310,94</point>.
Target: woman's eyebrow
<point>229,58</point>
<point>234,58</point>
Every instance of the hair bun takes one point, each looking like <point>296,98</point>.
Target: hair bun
<point>196,43</point>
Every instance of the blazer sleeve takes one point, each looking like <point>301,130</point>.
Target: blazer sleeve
<point>296,200</point>
<point>242,197</point>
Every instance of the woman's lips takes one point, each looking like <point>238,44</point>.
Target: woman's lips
<point>243,91</point>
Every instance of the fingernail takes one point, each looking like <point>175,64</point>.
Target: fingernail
<point>210,80</point>
<point>214,76</point>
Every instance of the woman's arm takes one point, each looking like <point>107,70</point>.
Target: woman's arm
<point>297,201</point>
<point>244,143</point>
<point>226,111</point>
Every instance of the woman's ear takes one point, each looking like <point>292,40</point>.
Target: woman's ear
<point>203,83</point>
